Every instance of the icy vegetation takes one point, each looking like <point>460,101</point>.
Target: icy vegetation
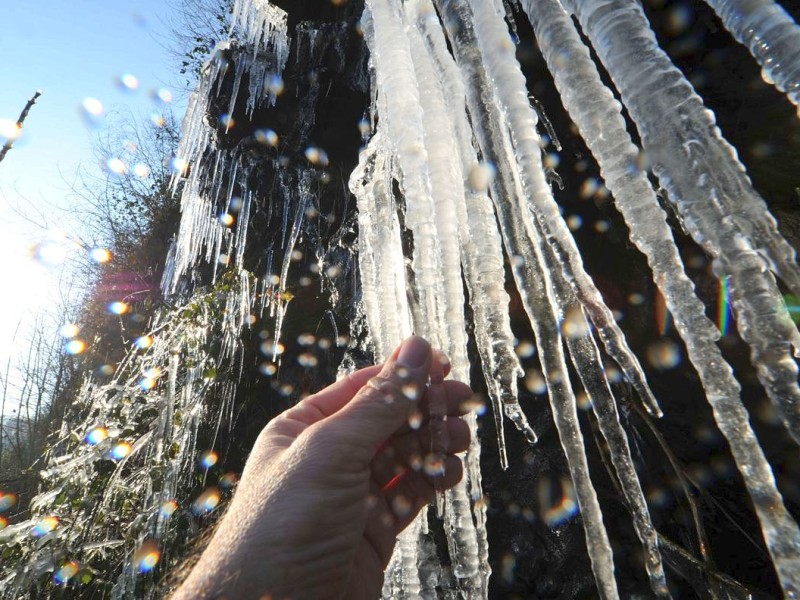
<point>451,186</point>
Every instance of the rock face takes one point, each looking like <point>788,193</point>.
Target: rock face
<point>299,186</point>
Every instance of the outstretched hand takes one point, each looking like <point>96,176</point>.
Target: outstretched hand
<point>331,482</point>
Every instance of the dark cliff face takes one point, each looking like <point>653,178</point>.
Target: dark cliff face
<point>536,538</point>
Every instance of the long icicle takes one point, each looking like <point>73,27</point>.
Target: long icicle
<point>483,271</point>
<point>772,37</point>
<point>599,120</point>
<point>508,81</point>
<point>763,320</point>
<point>531,278</point>
<point>399,108</point>
<point>720,208</point>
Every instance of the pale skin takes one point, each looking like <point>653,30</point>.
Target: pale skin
<point>331,483</point>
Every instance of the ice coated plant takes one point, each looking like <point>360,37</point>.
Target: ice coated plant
<point>120,478</point>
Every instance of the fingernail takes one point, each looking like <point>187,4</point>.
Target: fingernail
<point>414,352</point>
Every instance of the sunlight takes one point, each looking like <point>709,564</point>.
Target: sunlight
<point>30,276</point>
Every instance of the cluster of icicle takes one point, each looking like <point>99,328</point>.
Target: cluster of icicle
<point>453,127</point>
<point>209,184</point>
<point>145,422</point>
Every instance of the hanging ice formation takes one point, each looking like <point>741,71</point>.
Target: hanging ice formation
<point>450,187</point>
<point>424,141</point>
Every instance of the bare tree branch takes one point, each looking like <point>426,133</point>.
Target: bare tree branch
<point>22,116</point>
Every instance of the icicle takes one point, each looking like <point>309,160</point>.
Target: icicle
<point>403,118</point>
<point>483,270</point>
<point>687,135</point>
<point>710,187</point>
<point>772,37</point>
<point>693,185</point>
<point>532,279</point>
<point>264,28</point>
<point>380,251</point>
<point>498,50</point>
<point>599,120</point>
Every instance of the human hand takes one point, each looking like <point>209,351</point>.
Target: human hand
<point>331,482</point>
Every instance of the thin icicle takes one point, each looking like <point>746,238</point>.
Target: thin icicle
<point>532,279</point>
<point>498,52</point>
<point>691,177</point>
<point>772,37</point>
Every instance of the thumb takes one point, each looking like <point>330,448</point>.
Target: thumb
<point>384,404</point>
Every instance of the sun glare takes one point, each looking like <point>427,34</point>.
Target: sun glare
<point>29,279</point>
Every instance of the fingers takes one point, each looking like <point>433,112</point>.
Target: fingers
<point>331,399</point>
<point>384,404</point>
<point>410,450</point>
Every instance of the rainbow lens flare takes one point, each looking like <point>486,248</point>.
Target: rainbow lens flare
<point>67,571</point>
<point>45,526</point>
<point>207,501</point>
<point>146,556</point>
<point>208,459</point>
<point>96,435</point>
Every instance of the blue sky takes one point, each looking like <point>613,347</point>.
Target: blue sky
<point>71,50</point>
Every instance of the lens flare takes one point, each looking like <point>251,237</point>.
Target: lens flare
<point>208,459</point>
<point>266,137</point>
<point>723,307</point>
<point>45,526</point>
<point>226,219</point>
<point>49,253</point>
<point>69,330</point>
<point>129,82</point>
<point>93,107</point>
<point>316,156</point>
<point>100,255</point>
<point>143,342</point>
<point>116,166</point>
<point>67,571</point>
<point>120,451</point>
<point>180,166</point>
<point>146,556</point>
<point>141,170</point>
<point>207,501</point>
<point>7,500</point>
<point>75,347</point>
<point>118,308</point>
<point>9,130</point>
<point>275,85</point>
<point>663,354</point>
<point>228,480</point>
<point>3,523</point>
<point>556,509</point>
<point>168,509</point>
<point>163,95</point>
<point>96,435</point>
